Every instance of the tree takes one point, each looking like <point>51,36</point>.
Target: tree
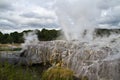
<point>17,37</point>
<point>5,38</point>
<point>1,37</point>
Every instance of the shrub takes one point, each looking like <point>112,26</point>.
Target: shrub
<point>58,73</point>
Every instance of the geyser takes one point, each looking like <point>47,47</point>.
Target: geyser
<point>78,16</point>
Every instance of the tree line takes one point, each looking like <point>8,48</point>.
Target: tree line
<point>18,37</point>
<point>48,35</point>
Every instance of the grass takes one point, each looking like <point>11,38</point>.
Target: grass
<point>39,72</point>
<point>17,72</point>
<point>10,47</point>
<point>58,73</point>
<point>10,72</point>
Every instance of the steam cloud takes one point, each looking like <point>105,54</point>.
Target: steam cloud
<point>76,16</point>
<point>30,39</point>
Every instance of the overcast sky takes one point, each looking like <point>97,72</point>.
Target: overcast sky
<point>27,14</point>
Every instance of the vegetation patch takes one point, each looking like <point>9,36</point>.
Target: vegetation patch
<point>58,73</point>
<point>9,72</point>
<point>17,72</point>
<point>10,49</point>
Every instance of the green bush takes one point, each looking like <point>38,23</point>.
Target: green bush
<point>58,73</point>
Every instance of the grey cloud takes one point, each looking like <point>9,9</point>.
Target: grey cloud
<point>7,25</point>
<point>45,25</point>
<point>8,18</point>
<point>106,4</point>
<point>6,7</point>
<point>24,18</point>
<point>29,15</point>
<point>35,15</point>
<point>44,3</point>
<point>111,21</point>
<point>11,18</point>
<point>112,17</point>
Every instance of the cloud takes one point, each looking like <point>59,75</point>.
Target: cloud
<point>19,14</point>
<point>26,14</point>
<point>44,14</point>
<point>80,12</point>
<point>5,6</point>
<point>6,25</point>
<point>43,3</point>
<point>111,16</point>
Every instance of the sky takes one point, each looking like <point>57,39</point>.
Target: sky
<point>26,14</point>
<point>36,14</point>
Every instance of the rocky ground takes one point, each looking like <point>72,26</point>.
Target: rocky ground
<point>96,61</point>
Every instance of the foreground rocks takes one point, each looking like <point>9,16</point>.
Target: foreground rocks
<point>11,57</point>
<point>96,61</point>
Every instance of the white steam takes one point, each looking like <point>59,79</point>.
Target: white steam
<point>77,16</point>
<point>30,38</point>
